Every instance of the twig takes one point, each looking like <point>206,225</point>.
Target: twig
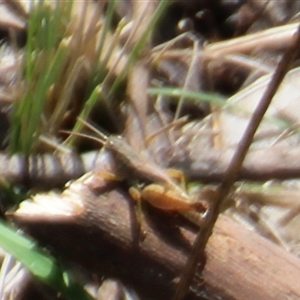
<point>233,169</point>
<point>99,235</point>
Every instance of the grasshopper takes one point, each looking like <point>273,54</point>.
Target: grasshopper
<point>160,189</point>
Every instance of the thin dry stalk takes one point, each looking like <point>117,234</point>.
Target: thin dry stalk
<point>233,169</point>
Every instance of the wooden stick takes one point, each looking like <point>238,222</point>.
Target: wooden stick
<point>102,238</point>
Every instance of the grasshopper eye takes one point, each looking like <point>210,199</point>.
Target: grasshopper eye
<point>115,142</point>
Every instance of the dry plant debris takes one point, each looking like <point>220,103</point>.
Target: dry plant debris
<point>139,81</point>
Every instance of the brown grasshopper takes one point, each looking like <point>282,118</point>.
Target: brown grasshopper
<point>160,189</point>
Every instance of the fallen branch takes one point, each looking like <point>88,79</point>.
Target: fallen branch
<point>101,235</point>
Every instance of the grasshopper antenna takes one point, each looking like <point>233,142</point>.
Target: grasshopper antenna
<point>100,138</point>
<point>98,132</point>
<point>83,135</point>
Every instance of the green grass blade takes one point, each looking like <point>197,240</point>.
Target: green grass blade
<point>40,264</point>
<point>94,97</point>
<point>27,111</point>
<point>197,96</point>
